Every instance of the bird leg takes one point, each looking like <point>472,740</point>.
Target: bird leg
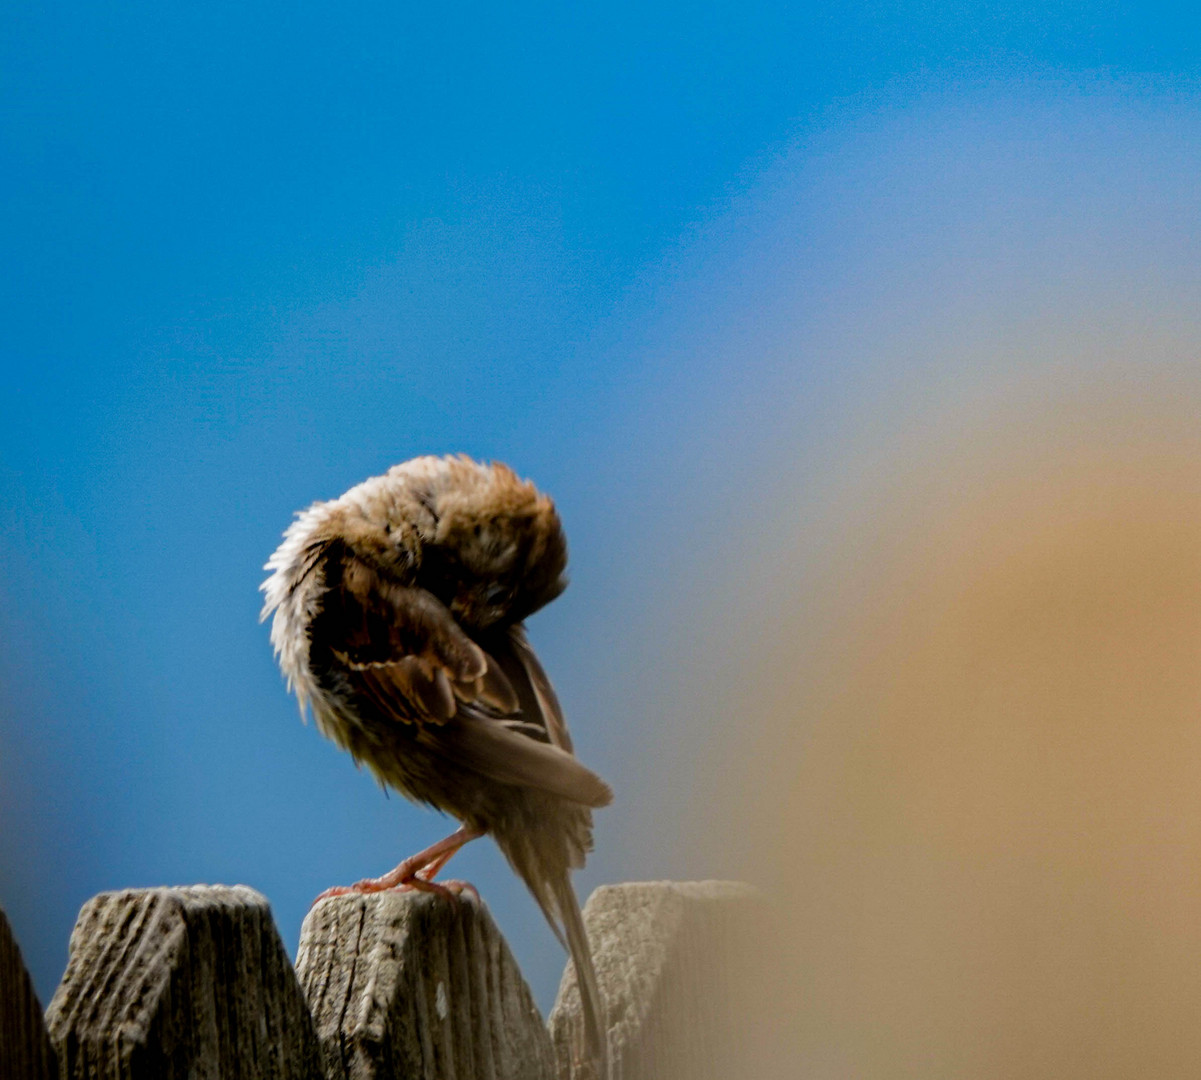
<point>452,890</point>
<point>428,872</point>
<point>408,875</point>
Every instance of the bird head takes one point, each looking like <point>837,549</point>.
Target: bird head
<point>494,550</point>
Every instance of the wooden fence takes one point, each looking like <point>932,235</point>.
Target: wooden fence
<point>194,982</point>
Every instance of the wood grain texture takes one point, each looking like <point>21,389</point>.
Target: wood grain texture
<point>180,982</point>
<point>409,986</point>
<point>679,968</point>
<point>25,1049</point>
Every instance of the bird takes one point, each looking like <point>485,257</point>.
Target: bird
<point>398,616</point>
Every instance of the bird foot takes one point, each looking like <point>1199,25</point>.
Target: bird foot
<point>359,888</point>
<point>415,873</point>
<point>450,889</point>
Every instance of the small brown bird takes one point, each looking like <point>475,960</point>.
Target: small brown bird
<point>398,615</point>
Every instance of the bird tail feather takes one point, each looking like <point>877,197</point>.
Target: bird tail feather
<point>595,1039</point>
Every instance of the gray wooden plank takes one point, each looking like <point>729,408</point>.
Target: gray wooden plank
<point>25,1049</point>
<point>181,982</point>
<point>410,986</point>
<point>682,968</point>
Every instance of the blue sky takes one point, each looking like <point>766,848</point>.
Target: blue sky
<point>253,254</point>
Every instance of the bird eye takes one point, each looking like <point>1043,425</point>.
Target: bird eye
<point>495,595</point>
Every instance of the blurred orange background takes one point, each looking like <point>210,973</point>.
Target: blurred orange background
<point>959,742</point>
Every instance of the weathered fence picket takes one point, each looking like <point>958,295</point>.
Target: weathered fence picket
<point>24,1045</point>
<point>194,982</point>
<point>679,966</point>
<point>168,984</point>
<point>406,986</point>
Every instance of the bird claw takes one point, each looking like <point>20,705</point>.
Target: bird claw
<point>416,873</point>
<point>458,888</point>
<point>359,888</point>
<point>451,890</point>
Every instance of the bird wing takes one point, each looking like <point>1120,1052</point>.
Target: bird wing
<point>532,748</point>
<point>494,713</point>
<point>547,700</point>
<point>503,753</point>
<point>401,649</point>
